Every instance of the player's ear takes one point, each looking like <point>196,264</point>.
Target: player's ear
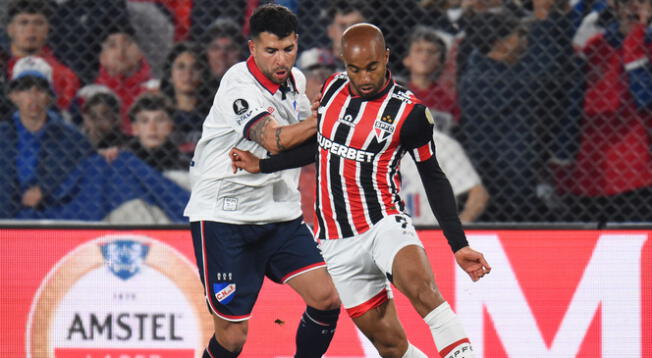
<point>252,46</point>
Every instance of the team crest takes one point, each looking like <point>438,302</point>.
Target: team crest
<point>224,292</point>
<point>384,127</point>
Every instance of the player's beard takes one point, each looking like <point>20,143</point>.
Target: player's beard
<point>272,75</point>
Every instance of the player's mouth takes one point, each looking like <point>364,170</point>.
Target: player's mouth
<point>366,90</point>
<point>281,73</point>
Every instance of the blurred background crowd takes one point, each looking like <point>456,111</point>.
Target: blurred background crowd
<point>543,107</point>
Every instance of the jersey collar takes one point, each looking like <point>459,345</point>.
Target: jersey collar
<point>263,80</point>
<point>388,86</point>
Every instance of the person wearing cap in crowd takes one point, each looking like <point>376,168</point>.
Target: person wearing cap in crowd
<point>123,68</point>
<point>37,148</point>
<point>28,27</point>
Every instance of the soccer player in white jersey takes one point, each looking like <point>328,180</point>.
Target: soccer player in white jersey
<point>366,123</point>
<point>247,226</point>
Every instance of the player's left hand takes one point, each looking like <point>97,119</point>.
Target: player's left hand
<point>242,159</point>
<point>472,262</point>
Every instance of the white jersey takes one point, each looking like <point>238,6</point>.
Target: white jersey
<point>245,95</point>
<point>453,162</point>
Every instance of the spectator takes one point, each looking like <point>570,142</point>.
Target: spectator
<point>154,31</point>
<point>184,81</point>
<point>223,43</point>
<point>425,61</point>
<point>151,117</point>
<point>38,149</point>
<point>467,186</point>
<point>317,67</point>
<point>123,68</point>
<point>101,122</point>
<point>28,27</point>
<point>611,178</point>
<point>502,95</point>
<point>342,14</point>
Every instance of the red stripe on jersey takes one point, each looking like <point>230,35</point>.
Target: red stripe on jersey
<point>361,133</point>
<point>423,153</point>
<point>384,163</point>
<point>452,346</point>
<point>365,307</point>
<point>327,129</point>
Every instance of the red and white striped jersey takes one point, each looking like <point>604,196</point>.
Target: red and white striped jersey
<point>360,145</point>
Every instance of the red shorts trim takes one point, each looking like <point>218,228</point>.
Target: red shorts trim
<point>372,303</point>
<point>452,346</point>
<point>302,270</point>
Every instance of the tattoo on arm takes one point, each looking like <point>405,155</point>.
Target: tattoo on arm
<point>279,145</point>
<point>257,131</point>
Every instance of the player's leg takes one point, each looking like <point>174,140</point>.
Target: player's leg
<point>365,294</point>
<point>298,263</point>
<point>412,275</point>
<point>232,279</point>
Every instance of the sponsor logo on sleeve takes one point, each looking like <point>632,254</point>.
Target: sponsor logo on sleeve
<point>240,106</point>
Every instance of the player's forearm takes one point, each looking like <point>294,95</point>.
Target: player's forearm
<point>287,137</point>
<point>475,204</point>
<point>442,202</point>
<point>276,138</point>
<point>296,157</point>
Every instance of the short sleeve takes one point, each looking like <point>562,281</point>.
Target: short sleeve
<point>416,134</point>
<point>241,105</point>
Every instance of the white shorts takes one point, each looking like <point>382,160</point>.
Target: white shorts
<point>362,265</point>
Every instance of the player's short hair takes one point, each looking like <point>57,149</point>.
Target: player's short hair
<point>151,102</point>
<point>275,19</point>
<point>428,34</point>
<point>16,7</point>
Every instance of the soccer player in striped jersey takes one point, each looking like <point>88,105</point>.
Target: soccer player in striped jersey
<point>366,123</point>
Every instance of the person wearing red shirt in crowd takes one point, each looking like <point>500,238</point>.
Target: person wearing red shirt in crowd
<point>611,179</point>
<point>123,68</point>
<point>28,27</point>
<point>425,61</point>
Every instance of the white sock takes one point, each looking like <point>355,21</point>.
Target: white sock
<point>448,333</point>
<point>414,352</point>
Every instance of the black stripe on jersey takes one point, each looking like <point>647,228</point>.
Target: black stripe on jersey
<point>342,133</point>
<point>331,91</point>
<point>395,165</point>
<point>367,169</point>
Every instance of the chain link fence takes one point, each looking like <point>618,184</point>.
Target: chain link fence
<point>542,106</point>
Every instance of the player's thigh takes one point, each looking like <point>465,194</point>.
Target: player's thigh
<point>360,285</point>
<point>316,288</point>
<point>390,236</point>
<point>229,268</point>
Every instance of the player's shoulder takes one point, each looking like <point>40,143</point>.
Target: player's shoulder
<point>403,94</point>
<point>238,75</point>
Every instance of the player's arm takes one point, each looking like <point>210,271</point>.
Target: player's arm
<point>416,137</point>
<point>276,138</point>
<point>301,155</point>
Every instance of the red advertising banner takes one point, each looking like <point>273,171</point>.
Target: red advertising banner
<point>79,293</point>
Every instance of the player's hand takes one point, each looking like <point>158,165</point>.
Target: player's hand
<point>242,159</point>
<point>472,262</point>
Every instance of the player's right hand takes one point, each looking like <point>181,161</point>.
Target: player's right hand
<point>242,159</point>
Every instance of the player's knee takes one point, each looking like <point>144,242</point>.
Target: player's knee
<point>232,335</point>
<point>424,293</point>
<point>326,299</point>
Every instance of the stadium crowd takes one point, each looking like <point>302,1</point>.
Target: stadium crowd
<point>543,107</point>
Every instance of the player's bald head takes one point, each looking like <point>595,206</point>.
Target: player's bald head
<point>362,39</point>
